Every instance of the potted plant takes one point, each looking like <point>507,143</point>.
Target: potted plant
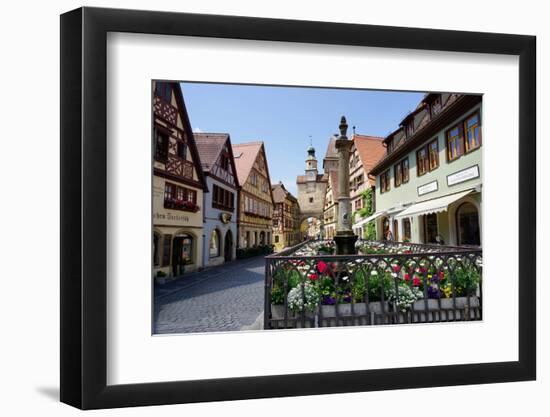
<point>160,278</point>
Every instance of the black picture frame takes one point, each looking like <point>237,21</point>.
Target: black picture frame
<point>84,207</point>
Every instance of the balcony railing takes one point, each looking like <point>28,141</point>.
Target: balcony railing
<point>386,283</point>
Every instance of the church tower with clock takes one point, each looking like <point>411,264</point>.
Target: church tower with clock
<point>311,189</point>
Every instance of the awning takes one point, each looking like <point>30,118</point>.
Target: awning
<point>368,219</point>
<point>432,206</point>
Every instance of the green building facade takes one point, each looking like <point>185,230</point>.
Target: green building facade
<point>429,184</point>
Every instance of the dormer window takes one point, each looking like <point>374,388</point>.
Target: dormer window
<point>163,91</point>
<point>390,146</point>
<point>436,106</point>
<point>410,129</point>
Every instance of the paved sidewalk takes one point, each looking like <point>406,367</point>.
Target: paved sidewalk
<point>222,298</point>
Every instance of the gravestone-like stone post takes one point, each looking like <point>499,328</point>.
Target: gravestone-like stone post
<point>345,237</point>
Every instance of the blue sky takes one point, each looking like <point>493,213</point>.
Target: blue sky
<point>285,117</point>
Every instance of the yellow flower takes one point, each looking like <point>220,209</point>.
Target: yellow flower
<point>447,290</point>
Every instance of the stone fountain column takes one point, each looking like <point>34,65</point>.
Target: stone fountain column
<point>345,238</point>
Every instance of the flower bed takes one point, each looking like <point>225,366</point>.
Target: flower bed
<point>313,288</point>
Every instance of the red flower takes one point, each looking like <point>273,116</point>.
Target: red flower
<point>423,270</point>
<point>441,275</point>
<point>322,266</point>
<point>407,277</point>
<point>313,277</point>
<point>396,268</point>
<point>416,281</point>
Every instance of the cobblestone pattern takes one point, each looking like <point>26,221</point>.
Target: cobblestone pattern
<point>223,298</point>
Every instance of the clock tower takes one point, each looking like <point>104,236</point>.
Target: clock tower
<point>311,165</point>
<point>311,190</point>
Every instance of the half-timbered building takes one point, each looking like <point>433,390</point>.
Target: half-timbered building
<point>220,204</point>
<point>286,218</point>
<point>255,196</point>
<point>178,185</point>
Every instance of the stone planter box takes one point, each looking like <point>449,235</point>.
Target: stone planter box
<point>161,280</point>
<point>294,318</point>
<point>436,314</point>
<point>328,314</point>
<point>461,302</point>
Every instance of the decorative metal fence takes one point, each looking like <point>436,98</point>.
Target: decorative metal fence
<point>386,283</point>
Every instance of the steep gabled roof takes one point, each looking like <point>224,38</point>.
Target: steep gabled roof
<point>280,193</point>
<point>245,154</point>
<point>371,149</point>
<point>176,87</point>
<point>331,148</point>
<point>210,146</point>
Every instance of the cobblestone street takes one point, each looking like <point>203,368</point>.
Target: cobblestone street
<point>222,298</point>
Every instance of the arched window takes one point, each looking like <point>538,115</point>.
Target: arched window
<point>467,225</point>
<point>215,243</point>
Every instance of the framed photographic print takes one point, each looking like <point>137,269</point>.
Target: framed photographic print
<point>257,208</point>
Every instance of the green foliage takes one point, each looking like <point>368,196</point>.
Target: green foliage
<point>243,253</point>
<point>377,282</point>
<point>289,275</point>
<point>466,281</point>
<point>161,274</point>
<point>326,286</point>
<point>323,249</point>
<point>366,211</point>
<point>277,295</point>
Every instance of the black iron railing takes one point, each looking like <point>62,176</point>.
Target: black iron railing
<point>386,283</point>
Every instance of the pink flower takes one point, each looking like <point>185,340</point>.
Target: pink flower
<point>416,281</point>
<point>422,270</point>
<point>407,277</point>
<point>322,266</point>
<point>396,268</point>
<point>313,277</point>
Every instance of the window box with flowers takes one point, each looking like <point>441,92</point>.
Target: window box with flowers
<point>180,198</point>
<point>175,204</point>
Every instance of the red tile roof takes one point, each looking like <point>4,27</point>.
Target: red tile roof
<point>371,149</point>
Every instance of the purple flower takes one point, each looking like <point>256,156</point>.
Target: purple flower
<point>433,292</point>
<point>328,300</point>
